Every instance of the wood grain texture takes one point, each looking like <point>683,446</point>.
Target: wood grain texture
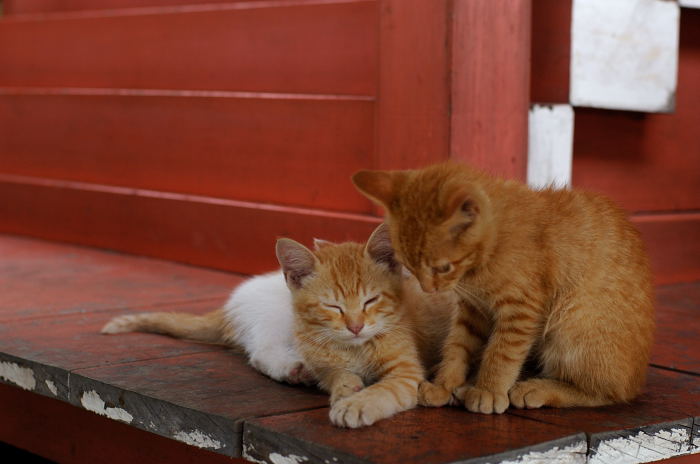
<point>42,279</point>
<point>222,234</point>
<point>491,84</point>
<point>413,117</point>
<point>63,433</point>
<point>551,51</point>
<point>210,392</point>
<point>315,47</point>
<point>422,435</point>
<point>291,150</point>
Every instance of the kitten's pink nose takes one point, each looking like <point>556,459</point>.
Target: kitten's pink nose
<point>356,328</point>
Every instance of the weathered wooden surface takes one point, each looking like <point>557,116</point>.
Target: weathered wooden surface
<point>678,328</point>
<point>423,435</point>
<point>66,434</point>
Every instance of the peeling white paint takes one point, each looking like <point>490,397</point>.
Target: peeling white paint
<point>198,439</point>
<point>624,54</point>
<point>550,146</point>
<point>23,377</point>
<point>92,402</point>
<point>291,459</point>
<point>52,387</point>
<point>572,454</point>
<point>642,447</point>
<point>247,448</point>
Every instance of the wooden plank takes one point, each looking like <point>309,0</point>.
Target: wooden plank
<point>647,162</point>
<point>413,118</point>
<point>202,397</point>
<point>427,436</point>
<point>13,7</point>
<point>223,234</point>
<point>491,84</point>
<point>40,279</point>
<point>678,326</point>
<point>657,425</point>
<point>307,47</point>
<point>671,240</point>
<point>291,150</point>
<point>64,433</point>
<point>550,51</point>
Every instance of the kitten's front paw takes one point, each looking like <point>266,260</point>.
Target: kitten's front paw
<point>350,386</point>
<point>477,399</point>
<point>434,395</point>
<point>354,412</point>
<point>527,394</point>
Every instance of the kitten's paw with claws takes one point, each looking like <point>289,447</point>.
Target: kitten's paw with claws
<point>527,394</point>
<point>481,400</point>
<point>354,412</point>
<point>349,387</point>
<point>434,395</point>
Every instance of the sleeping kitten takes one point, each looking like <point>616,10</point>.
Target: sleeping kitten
<point>347,317</point>
<point>557,275</point>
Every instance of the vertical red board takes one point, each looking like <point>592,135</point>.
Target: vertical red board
<point>491,84</point>
<point>551,51</point>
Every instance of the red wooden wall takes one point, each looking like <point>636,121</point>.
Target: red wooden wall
<point>201,131</point>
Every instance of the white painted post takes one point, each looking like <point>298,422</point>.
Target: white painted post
<point>550,145</point>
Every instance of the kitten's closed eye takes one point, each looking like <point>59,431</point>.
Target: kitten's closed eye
<point>336,307</point>
<point>370,301</point>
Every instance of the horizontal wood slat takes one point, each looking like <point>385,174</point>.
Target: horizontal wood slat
<point>13,7</point>
<point>309,48</point>
<point>672,241</point>
<point>551,50</point>
<point>240,236</point>
<point>277,149</point>
<point>223,234</point>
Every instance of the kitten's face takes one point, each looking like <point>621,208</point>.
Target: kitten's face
<point>347,293</point>
<point>436,222</point>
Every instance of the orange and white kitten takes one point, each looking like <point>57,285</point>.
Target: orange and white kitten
<point>349,320</point>
<point>559,276</point>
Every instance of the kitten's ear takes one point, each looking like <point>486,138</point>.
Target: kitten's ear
<point>296,260</point>
<point>378,186</point>
<point>462,206</point>
<point>320,243</point>
<point>379,248</point>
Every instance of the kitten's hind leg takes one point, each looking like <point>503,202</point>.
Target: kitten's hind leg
<point>538,392</point>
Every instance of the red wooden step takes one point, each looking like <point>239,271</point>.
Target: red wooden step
<point>300,47</point>
<point>12,7</point>
<point>294,150</point>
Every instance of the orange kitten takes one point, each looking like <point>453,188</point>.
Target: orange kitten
<point>348,319</point>
<point>557,275</point>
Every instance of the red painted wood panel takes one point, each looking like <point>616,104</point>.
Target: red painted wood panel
<point>295,151</point>
<point>66,434</point>
<point>491,84</point>
<point>551,50</point>
<point>52,6</point>
<point>311,48</point>
<point>413,117</point>
<point>647,162</point>
<point>223,234</point>
<point>678,325</point>
<point>80,280</point>
<point>673,245</point>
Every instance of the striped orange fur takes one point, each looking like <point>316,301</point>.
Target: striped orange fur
<point>368,349</point>
<point>560,276</point>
